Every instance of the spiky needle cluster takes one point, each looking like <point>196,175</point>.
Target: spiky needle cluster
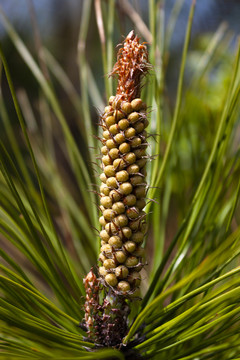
<point>123,188</point>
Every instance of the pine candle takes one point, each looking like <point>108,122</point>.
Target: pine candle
<point>123,188</point>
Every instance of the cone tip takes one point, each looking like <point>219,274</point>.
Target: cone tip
<point>131,35</point>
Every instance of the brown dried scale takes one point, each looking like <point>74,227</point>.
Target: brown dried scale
<point>123,188</point>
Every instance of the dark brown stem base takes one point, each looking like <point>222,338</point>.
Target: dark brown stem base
<point>113,323</point>
<point>106,323</point>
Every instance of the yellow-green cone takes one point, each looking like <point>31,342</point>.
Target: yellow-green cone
<point>123,188</point>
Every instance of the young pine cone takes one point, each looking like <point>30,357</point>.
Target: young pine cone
<point>123,188</point>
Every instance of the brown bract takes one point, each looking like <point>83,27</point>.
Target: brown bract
<point>132,64</point>
<point>91,284</point>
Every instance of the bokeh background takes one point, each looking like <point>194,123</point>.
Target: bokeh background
<point>58,23</point>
